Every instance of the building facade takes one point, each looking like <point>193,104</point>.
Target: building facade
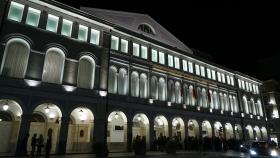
<point>93,75</point>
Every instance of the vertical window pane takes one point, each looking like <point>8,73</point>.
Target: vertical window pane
<point>33,17</point>
<point>243,84</point>
<point>197,70</point>
<point>190,65</point>
<point>16,11</point>
<point>228,79</point>
<point>136,49</point>
<point>154,55</point>
<point>144,52</point>
<point>114,43</point>
<point>209,73</point>
<point>202,70</point>
<point>232,81</point>
<point>223,78</point>
<point>213,74</point>
<point>52,23</point>
<point>83,32</point>
<point>239,84</point>
<point>66,29</point>
<point>94,36</point>
<point>124,45</point>
<point>170,60</point>
<point>177,63</point>
<point>219,76</point>
<point>185,65</point>
<point>161,58</point>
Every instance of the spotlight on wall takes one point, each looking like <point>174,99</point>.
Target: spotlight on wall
<point>52,116</point>
<point>151,101</point>
<point>0,120</point>
<point>103,93</point>
<point>191,122</point>
<point>185,106</point>
<point>139,118</point>
<point>68,88</point>
<point>5,107</point>
<point>169,103</point>
<point>32,83</point>
<point>47,109</point>
<point>211,110</point>
<point>116,116</point>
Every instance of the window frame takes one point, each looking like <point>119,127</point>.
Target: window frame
<point>56,18</point>
<point>117,42</point>
<point>21,6</point>
<point>126,45</point>
<point>65,22</point>
<point>96,32</point>
<point>34,11</point>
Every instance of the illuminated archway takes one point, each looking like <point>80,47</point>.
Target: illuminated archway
<point>206,129</point>
<point>160,126</point>
<point>141,128</point>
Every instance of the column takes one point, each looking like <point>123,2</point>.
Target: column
<point>152,135</point>
<point>23,136</point>
<point>63,134</point>
<point>129,136</point>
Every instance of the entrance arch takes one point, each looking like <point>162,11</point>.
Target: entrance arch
<point>229,131</point>
<point>206,129</point>
<point>193,128</point>
<point>219,131</point>
<point>141,128</point>
<point>257,132</point>
<point>264,133</point>
<point>238,132</point>
<point>178,129</point>
<point>160,126</point>
<point>249,132</point>
<point>10,117</point>
<point>117,131</point>
<point>80,131</point>
<point>46,122</point>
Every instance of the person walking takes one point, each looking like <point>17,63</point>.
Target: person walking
<point>48,146</point>
<point>33,144</point>
<point>40,144</point>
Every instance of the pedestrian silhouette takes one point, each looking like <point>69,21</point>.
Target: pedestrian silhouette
<point>33,144</point>
<point>48,146</point>
<point>40,145</point>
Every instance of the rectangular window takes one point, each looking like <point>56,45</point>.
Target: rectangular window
<point>66,29</point>
<point>254,88</point>
<point>208,73</point>
<point>170,60</point>
<point>247,86</point>
<point>223,78</point>
<point>219,76</point>
<point>197,70</point>
<point>124,45</point>
<point>185,65</point>
<point>232,81</point>
<point>94,36</point>
<point>250,87</point>
<point>83,32</point>
<point>213,74</point>
<point>202,71</point>
<point>135,50</point>
<point>144,52</point>
<point>228,79</point>
<point>16,11</point>
<point>257,89</point>
<point>52,23</point>
<point>161,58</point>
<point>190,65</point>
<point>239,83</point>
<point>177,62</point>
<point>114,43</point>
<point>154,55</point>
<point>33,16</point>
<point>243,84</point>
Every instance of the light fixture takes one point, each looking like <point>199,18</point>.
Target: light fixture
<point>47,109</point>
<point>151,101</point>
<point>169,103</point>
<point>116,116</point>
<point>203,123</point>
<point>103,93</point>
<point>191,122</point>
<point>139,118</point>
<point>175,122</point>
<point>5,107</point>
<point>68,88</point>
<point>0,120</point>
<point>52,115</point>
<point>32,83</point>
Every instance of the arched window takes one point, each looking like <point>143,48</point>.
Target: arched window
<point>204,98</point>
<point>171,91</point>
<point>216,100</point>
<point>177,92</point>
<point>253,106</point>
<point>211,99</point>
<point>245,105</point>
<point>122,82</point>
<point>231,103</point>
<point>236,108</point>
<point>154,88</point>
<point>143,86</point>
<point>15,58</point>
<point>53,66</point>
<point>134,89</point>
<point>86,72</point>
<point>147,29</point>
<point>192,98</point>
<point>226,103</point>
<point>186,95</point>
<point>222,101</point>
<point>162,89</point>
<point>199,96</point>
<point>113,80</point>
<point>260,107</point>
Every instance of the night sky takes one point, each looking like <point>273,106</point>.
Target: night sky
<point>237,35</point>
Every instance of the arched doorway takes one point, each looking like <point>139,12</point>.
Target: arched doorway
<point>238,132</point>
<point>178,129</point>
<point>10,117</point>
<point>193,128</point>
<point>264,133</point>
<point>249,132</point>
<point>46,122</point>
<point>218,129</point>
<point>117,131</point>
<point>257,132</point>
<point>160,126</point>
<point>80,131</point>
<point>141,128</point>
<point>229,131</point>
<point>206,129</point>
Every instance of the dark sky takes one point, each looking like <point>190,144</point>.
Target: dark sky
<point>238,35</point>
